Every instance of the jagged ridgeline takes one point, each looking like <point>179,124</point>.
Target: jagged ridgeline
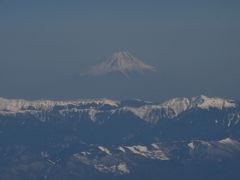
<point>115,122</point>
<point>191,138</point>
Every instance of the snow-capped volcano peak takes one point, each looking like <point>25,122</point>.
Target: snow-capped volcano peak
<point>122,62</point>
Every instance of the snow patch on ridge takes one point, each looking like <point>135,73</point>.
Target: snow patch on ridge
<point>155,153</point>
<point>228,141</point>
<point>104,149</point>
<point>205,102</point>
<point>121,149</point>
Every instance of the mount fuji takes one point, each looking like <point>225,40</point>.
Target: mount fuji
<point>121,62</point>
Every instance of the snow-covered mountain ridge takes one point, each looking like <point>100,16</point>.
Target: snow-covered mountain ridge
<point>151,112</point>
<point>175,107</point>
<point>108,138</point>
<point>156,151</point>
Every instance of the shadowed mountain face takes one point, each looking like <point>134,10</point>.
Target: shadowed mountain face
<point>109,139</point>
<point>121,62</point>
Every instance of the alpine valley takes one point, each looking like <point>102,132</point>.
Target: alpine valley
<point>184,138</point>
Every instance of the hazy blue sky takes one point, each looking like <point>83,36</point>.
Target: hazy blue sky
<point>45,45</point>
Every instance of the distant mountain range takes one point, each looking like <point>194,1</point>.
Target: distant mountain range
<point>121,62</point>
<point>141,109</point>
<point>110,139</point>
<point>131,120</point>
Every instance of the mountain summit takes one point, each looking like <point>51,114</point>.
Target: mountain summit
<point>122,62</point>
